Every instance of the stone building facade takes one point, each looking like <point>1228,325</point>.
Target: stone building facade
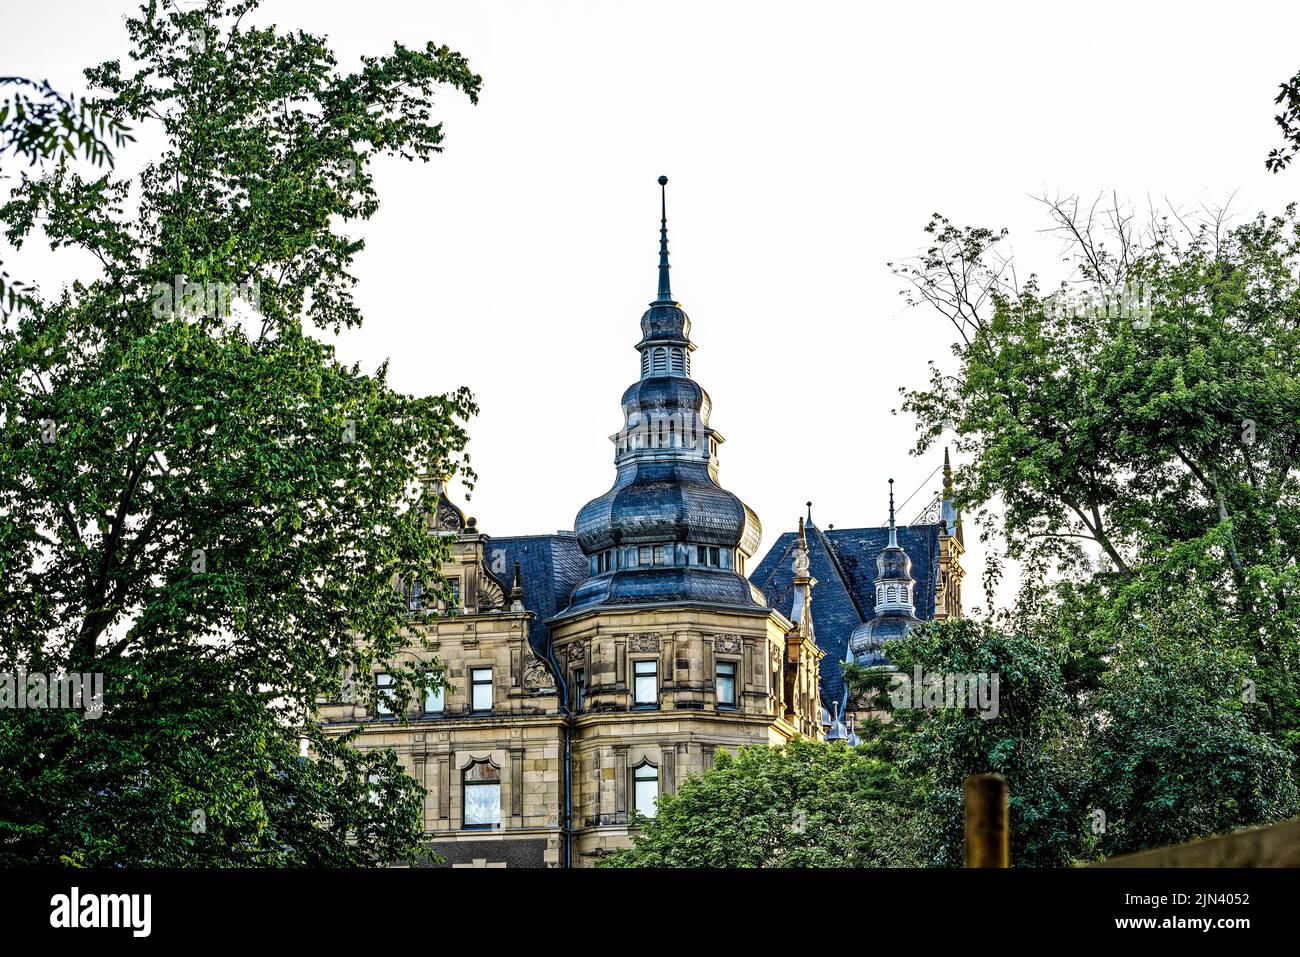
<point>589,672</point>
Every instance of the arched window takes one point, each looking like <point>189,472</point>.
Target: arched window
<point>645,363</point>
<point>678,363</point>
<point>481,801</point>
<point>660,361</point>
<point>645,788</point>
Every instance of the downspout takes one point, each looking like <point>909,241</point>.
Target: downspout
<point>567,717</point>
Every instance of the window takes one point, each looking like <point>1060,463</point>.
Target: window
<point>384,696</point>
<point>710,555</point>
<point>481,799</point>
<point>480,693</point>
<point>645,788</point>
<point>726,684</point>
<point>415,597</point>
<point>643,555</point>
<point>663,554</point>
<point>433,700</point>
<point>645,684</point>
<point>678,363</point>
<point>579,686</point>
<point>455,592</point>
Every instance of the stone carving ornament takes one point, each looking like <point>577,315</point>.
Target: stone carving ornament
<point>536,674</point>
<point>642,643</point>
<point>726,644</point>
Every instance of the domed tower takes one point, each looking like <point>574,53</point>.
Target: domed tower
<point>895,610</point>
<point>666,652</point>
<point>666,531</point>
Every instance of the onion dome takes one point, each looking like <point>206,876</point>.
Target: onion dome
<point>895,612</point>
<point>666,530</point>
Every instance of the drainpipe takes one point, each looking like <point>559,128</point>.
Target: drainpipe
<point>567,715</point>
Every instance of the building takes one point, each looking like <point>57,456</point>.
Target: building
<point>872,585</point>
<point>591,671</point>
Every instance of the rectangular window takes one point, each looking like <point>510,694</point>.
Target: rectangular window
<point>645,686</point>
<point>415,599</point>
<point>384,695</point>
<point>701,555</point>
<point>713,555</point>
<point>579,687</point>
<point>643,555</point>
<point>480,684</point>
<point>663,554</point>
<point>455,592</point>
<point>434,700</point>
<point>726,684</point>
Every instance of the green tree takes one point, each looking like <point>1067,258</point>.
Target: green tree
<point>38,123</point>
<point>1175,749</point>
<point>1030,734</point>
<point>1288,121</point>
<point>1146,413</point>
<point>808,804</point>
<point>1132,438</point>
<point>197,498</point>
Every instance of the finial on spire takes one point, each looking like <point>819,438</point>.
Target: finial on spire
<point>947,474</point>
<point>665,288</point>
<point>893,532</point>
<point>809,504</point>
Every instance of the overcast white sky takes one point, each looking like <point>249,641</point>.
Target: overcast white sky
<point>806,145</point>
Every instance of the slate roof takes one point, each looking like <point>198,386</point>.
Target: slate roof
<point>551,567</point>
<point>843,560</point>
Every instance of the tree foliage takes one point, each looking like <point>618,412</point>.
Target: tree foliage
<point>197,497</point>
<point>1142,423</point>
<point>808,804</point>
<point>1131,436</point>
<point>1288,121</point>
<point>38,124</point>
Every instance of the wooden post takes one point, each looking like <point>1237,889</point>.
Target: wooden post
<point>988,830</point>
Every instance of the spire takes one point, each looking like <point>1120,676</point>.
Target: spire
<point>949,517</point>
<point>517,591</point>
<point>893,532</point>
<point>665,289</point>
<point>800,564</point>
